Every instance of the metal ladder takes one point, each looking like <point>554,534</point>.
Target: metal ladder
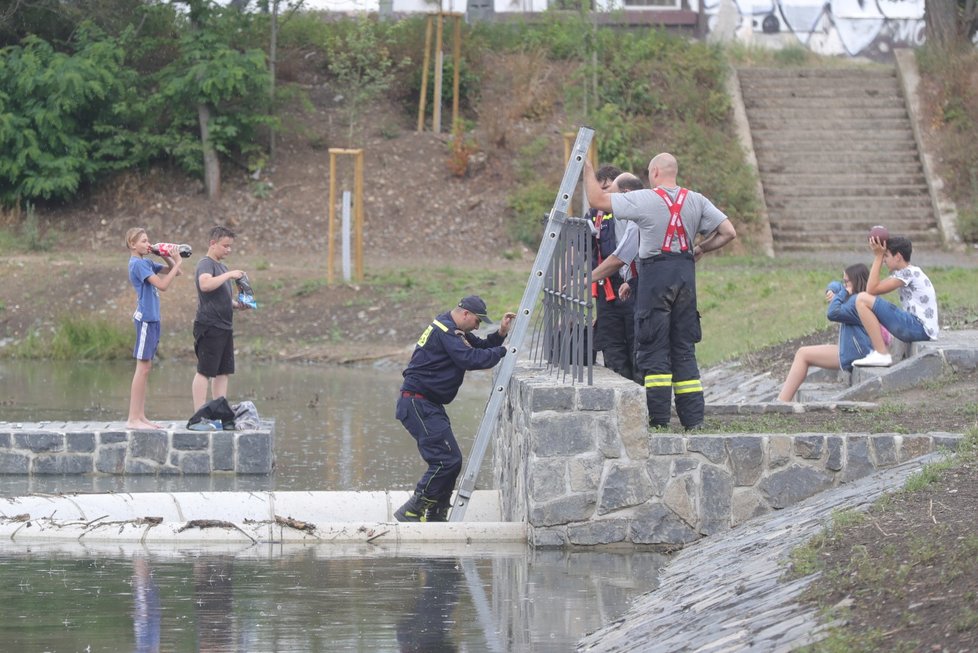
<point>555,222</point>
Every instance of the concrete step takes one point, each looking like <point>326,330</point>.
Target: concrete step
<point>859,104</point>
<point>760,111</point>
<point>798,141</point>
<point>824,94</point>
<point>801,145</point>
<point>851,204</point>
<point>785,246</point>
<point>774,189</point>
<point>891,178</point>
<point>843,138</point>
<point>834,165</point>
<point>867,73</point>
<point>819,392</point>
<point>838,124</point>
<point>786,235</point>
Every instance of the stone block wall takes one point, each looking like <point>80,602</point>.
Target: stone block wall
<point>578,464</point>
<point>85,448</point>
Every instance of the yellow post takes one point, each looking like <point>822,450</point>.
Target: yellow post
<point>568,143</point>
<point>456,65</point>
<point>358,215</point>
<point>331,214</point>
<point>424,76</point>
<point>436,101</point>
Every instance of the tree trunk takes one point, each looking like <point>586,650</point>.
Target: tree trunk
<point>272,54</point>
<point>212,164</point>
<point>941,24</point>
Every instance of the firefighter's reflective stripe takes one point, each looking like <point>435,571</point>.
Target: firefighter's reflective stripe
<point>427,332</point>
<point>684,387</point>
<point>658,380</point>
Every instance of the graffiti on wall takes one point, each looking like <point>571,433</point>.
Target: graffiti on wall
<point>870,28</point>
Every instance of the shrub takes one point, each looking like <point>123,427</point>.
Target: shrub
<point>954,77</point>
<point>78,338</point>
<point>530,205</point>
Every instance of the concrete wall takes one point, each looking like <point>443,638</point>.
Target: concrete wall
<point>578,464</point>
<point>109,448</point>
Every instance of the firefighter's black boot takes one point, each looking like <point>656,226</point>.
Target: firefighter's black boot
<point>441,510</point>
<point>417,508</point>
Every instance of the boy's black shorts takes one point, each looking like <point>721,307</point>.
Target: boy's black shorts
<point>215,350</point>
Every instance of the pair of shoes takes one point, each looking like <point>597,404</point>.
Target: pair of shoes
<point>206,425</point>
<point>875,359</point>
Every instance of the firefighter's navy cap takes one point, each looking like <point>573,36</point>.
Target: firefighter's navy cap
<point>474,304</point>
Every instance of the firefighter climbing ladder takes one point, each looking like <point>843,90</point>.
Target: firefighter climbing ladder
<point>551,235</point>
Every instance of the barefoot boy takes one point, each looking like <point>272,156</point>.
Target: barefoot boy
<point>915,321</point>
<point>143,274</point>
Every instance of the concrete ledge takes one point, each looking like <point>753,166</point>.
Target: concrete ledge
<point>244,518</point>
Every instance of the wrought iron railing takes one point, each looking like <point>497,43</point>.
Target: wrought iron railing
<point>561,336</point>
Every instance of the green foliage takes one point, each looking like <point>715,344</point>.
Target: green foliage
<point>112,103</point>
<point>360,64</point>
<point>78,339</point>
<point>211,70</point>
<point>530,205</point>
<point>956,122</point>
<point>55,110</point>
<point>792,55</point>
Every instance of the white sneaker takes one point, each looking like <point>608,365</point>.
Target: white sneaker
<point>875,359</point>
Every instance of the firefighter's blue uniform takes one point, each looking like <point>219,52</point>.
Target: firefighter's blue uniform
<point>432,379</point>
<point>614,329</point>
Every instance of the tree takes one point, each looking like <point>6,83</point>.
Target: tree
<point>361,66</point>
<point>227,87</point>
<point>61,115</point>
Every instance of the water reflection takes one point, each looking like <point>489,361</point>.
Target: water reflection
<point>146,609</point>
<point>335,426</point>
<point>428,625</point>
<point>312,600</point>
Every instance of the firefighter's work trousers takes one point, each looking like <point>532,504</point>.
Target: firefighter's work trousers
<point>667,328</point>
<point>614,334</point>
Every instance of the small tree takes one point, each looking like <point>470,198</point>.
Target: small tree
<point>361,66</point>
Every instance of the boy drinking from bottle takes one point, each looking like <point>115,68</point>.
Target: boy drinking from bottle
<point>148,284</point>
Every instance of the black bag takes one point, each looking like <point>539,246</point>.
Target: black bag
<point>214,410</point>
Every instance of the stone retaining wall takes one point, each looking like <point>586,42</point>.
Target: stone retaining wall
<point>110,448</point>
<point>578,464</point>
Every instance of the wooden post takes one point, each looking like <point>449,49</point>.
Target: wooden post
<point>456,66</point>
<point>358,215</point>
<point>439,58</point>
<point>332,215</point>
<point>422,101</point>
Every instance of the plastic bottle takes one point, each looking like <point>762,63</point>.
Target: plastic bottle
<point>172,249</point>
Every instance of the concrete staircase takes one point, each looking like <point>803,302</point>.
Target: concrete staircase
<point>836,155</point>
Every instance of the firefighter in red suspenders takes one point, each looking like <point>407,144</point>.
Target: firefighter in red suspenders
<point>614,274</point>
<point>667,324</point>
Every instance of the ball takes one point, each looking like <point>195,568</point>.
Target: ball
<point>880,233</point>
